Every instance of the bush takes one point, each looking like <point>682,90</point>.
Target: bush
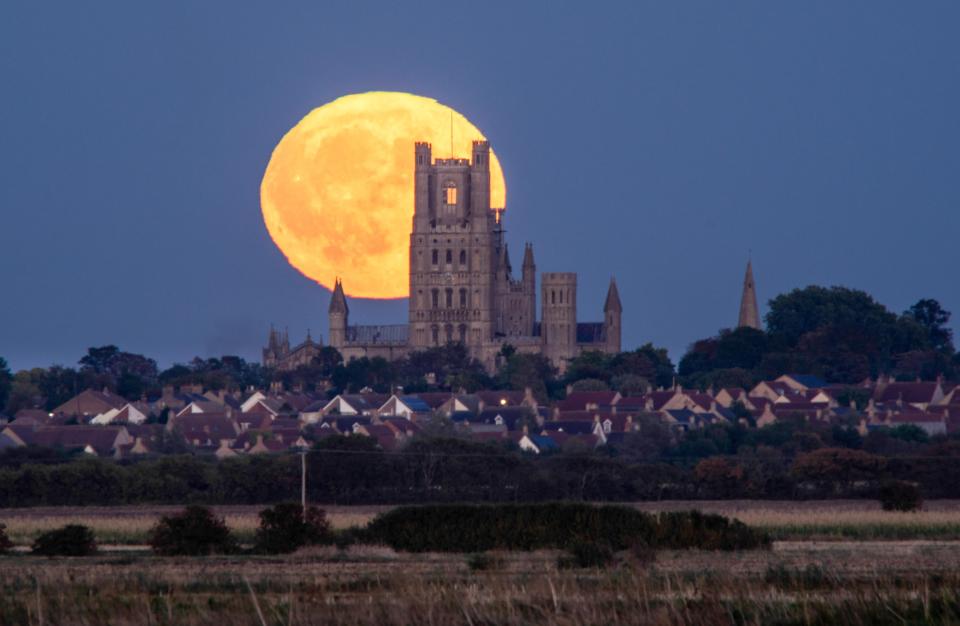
<point>5,544</point>
<point>587,554</point>
<point>900,495</point>
<point>283,528</point>
<point>483,561</point>
<point>194,532</point>
<point>706,531</point>
<point>71,540</point>
<point>641,555</point>
<point>478,528</point>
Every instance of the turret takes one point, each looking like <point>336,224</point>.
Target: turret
<point>480,212</point>
<point>423,169</point>
<point>558,328</point>
<point>338,314</point>
<point>529,268</point>
<point>612,314</point>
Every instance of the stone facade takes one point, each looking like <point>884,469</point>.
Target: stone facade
<point>278,353</point>
<point>462,287</point>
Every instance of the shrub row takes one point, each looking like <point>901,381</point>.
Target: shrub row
<point>477,528</point>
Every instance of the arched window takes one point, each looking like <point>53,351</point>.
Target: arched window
<point>553,297</point>
<point>436,257</point>
<point>435,333</point>
<point>462,330</point>
<point>449,257</point>
<point>463,298</point>
<point>435,293</point>
<point>450,194</point>
<point>463,257</point>
<point>449,298</point>
<point>448,330</point>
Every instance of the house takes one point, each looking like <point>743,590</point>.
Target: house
<point>510,416</point>
<point>917,394</point>
<point>95,440</point>
<point>205,430</point>
<point>128,414</point>
<point>801,382</point>
<point>405,406</point>
<point>343,424</point>
<point>537,444</point>
<point>90,402</point>
<point>589,400</point>
<point>354,404</point>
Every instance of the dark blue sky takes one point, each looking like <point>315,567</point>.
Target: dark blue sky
<point>658,142</point>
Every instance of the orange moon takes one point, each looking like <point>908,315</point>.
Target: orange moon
<point>337,195</point>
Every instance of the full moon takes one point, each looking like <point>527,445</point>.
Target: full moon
<point>337,195</point>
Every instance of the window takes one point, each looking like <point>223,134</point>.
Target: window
<point>436,257</point>
<point>449,257</point>
<point>450,194</point>
<point>553,297</point>
<point>449,298</point>
<point>419,159</point>
<point>462,331</point>
<point>463,298</point>
<point>448,331</point>
<point>463,257</point>
<point>436,297</point>
<point>435,333</point>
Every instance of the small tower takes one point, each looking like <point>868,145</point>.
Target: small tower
<point>749,312</point>
<point>612,312</point>
<point>339,313</point>
<point>558,329</point>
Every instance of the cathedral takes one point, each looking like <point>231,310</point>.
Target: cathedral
<point>462,286</point>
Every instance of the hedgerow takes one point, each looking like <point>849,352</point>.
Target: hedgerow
<point>477,528</point>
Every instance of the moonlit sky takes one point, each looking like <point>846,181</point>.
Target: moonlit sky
<point>661,142</point>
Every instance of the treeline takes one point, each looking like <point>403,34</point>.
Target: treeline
<point>841,335</point>
<point>348,470</point>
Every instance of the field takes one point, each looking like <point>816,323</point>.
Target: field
<point>820,520</point>
<point>832,562</point>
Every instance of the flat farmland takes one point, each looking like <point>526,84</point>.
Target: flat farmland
<point>854,582</point>
<point>822,520</point>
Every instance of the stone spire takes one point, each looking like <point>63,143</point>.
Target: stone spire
<point>504,261</point>
<point>338,302</point>
<point>613,298</point>
<point>528,256</point>
<point>749,312</point>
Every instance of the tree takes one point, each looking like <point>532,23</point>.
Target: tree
<point>590,384</point>
<point>24,391</point>
<point>933,319</point>
<point>6,380</point>
<point>529,370</point>
<point>133,373</point>
<point>327,360</point>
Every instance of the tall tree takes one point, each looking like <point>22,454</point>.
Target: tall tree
<point>6,379</point>
<point>933,319</point>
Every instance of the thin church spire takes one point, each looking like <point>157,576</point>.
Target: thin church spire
<point>749,312</point>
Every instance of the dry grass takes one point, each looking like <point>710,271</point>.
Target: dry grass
<point>843,582</point>
<point>131,525</point>
<point>833,519</point>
